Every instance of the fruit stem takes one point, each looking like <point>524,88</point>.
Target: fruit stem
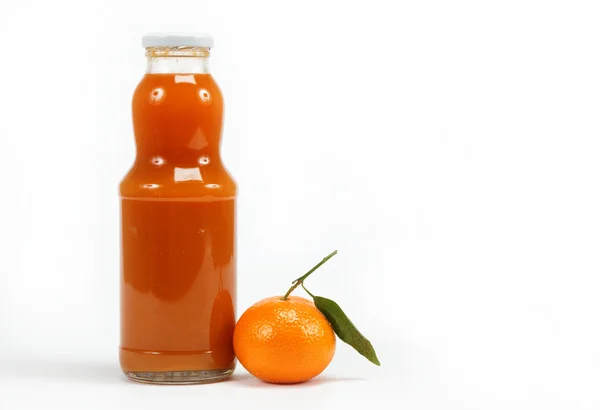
<point>300,280</point>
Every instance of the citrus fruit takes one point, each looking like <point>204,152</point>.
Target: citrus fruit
<point>288,339</point>
<point>284,340</point>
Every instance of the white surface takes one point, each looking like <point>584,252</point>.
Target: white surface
<point>177,40</point>
<point>449,150</point>
<point>60,385</point>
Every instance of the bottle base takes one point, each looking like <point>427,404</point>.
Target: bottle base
<point>182,377</point>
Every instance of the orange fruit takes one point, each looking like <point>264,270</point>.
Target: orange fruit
<point>284,341</point>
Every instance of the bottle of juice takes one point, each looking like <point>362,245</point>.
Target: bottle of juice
<point>178,256</point>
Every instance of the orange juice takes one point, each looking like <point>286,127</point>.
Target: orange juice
<point>178,271</point>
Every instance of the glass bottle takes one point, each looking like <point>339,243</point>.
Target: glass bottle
<point>178,250</point>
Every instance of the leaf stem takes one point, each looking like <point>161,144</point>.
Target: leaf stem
<point>300,280</point>
<point>307,291</point>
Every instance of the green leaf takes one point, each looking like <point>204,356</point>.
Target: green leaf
<point>345,329</point>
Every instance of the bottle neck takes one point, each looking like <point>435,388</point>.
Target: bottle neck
<point>177,60</point>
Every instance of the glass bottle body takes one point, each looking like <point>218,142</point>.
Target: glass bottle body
<point>178,270</point>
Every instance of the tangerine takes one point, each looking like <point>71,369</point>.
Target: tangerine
<point>284,340</point>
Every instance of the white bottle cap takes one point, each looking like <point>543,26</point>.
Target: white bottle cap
<point>178,40</point>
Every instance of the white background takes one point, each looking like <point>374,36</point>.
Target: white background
<point>448,150</point>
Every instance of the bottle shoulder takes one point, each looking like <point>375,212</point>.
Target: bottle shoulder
<point>155,88</point>
<point>178,182</point>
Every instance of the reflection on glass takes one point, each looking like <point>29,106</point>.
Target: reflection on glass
<point>222,323</point>
<point>157,96</point>
<point>187,174</point>
<point>157,160</point>
<point>204,95</point>
<point>188,78</point>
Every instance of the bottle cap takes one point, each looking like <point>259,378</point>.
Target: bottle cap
<point>178,40</point>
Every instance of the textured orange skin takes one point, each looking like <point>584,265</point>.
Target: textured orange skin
<point>284,341</point>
